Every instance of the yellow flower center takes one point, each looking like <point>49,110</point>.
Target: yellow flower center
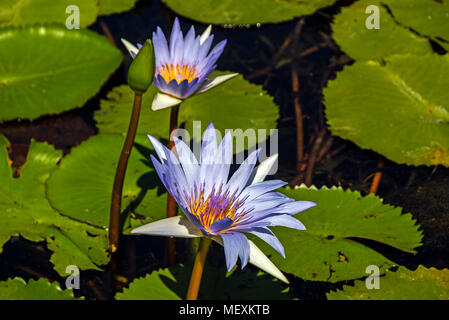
<point>216,206</point>
<point>178,73</point>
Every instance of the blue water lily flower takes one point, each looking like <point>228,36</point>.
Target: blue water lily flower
<point>220,208</point>
<point>183,67</point>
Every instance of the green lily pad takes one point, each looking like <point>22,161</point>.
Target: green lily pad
<point>429,18</point>
<point>399,109</point>
<point>81,187</point>
<point>30,12</point>
<point>328,249</point>
<point>245,12</point>
<point>115,6</point>
<point>47,70</point>
<point>353,37</point>
<point>220,105</point>
<point>42,289</point>
<point>217,284</point>
<point>26,212</point>
<point>151,287</point>
<point>403,284</point>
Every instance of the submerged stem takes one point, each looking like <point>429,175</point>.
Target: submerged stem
<point>114,220</point>
<point>198,267</point>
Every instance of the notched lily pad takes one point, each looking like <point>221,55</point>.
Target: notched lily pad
<point>50,69</point>
<point>429,18</point>
<point>328,250</point>
<point>220,105</point>
<point>403,284</point>
<point>361,43</point>
<point>81,187</point>
<point>115,6</point>
<point>26,212</point>
<point>22,13</point>
<point>172,284</point>
<point>42,289</point>
<point>245,12</point>
<point>398,111</point>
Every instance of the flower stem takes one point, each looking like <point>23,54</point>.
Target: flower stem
<point>114,221</point>
<point>171,203</point>
<point>377,177</point>
<point>198,267</point>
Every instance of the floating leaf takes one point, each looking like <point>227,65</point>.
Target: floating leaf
<point>46,70</point>
<point>172,284</point>
<point>361,43</point>
<point>30,12</point>
<point>429,18</point>
<point>399,109</point>
<point>152,287</point>
<point>403,284</point>
<point>81,187</point>
<point>220,105</point>
<point>42,289</point>
<point>245,12</point>
<point>26,212</point>
<point>328,249</point>
<point>115,6</point>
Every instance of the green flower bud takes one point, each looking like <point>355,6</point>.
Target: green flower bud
<point>141,70</point>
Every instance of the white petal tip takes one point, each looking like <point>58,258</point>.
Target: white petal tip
<point>205,34</point>
<point>132,49</point>
<point>178,226</point>
<point>162,101</point>
<point>216,81</point>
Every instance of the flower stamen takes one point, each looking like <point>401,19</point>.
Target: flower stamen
<point>179,73</point>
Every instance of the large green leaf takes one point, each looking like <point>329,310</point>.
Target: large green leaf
<point>217,284</point>
<point>399,109</point>
<point>47,70</point>
<point>29,12</point>
<point>245,12</point>
<point>26,212</point>
<point>361,43</point>
<point>429,17</point>
<point>115,6</point>
<point>403,284</point>
<point>220,105</point>
<point>81,187</point>
<point>328,249</point>
<point>151,287</point>
<point>42,289</point>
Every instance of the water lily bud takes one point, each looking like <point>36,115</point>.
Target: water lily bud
<point>141,70</point>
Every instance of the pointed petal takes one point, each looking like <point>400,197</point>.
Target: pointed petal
<point>262,170</point>
<point>293,208</point>
<point>132,49</point>
<point>216,81</point>
<point>206,34</point>
<point>235,245</point>
<point>261,188</point>
<point>268,236</point>
<point>188,161</point>
<point>260,260</point>
<point>178,226</point>
<point>240,177</point>
<point>162,101</point>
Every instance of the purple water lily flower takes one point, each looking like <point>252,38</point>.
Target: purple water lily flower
<point>183,67</point>
<point>220,208</point>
